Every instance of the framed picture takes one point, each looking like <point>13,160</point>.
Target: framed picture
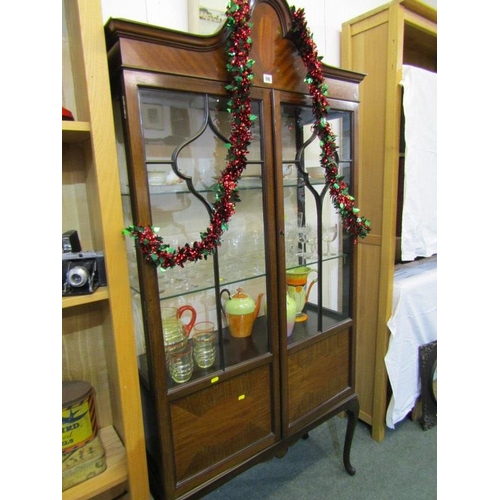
<point>210,20</point>
<point>204,19</point>
<point>152,116</point>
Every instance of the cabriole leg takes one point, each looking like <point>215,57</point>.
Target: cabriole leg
<point>352,410</point>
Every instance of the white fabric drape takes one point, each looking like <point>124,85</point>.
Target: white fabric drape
<point>413,323</point>
<point>419,221</point>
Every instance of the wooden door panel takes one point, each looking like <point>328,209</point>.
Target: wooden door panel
<point>216,423</point>
<point>317,374</point>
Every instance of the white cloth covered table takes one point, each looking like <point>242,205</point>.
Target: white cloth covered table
<point>413,323</point>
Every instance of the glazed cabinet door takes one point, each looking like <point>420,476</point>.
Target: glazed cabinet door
<point>208,356</point>
<point>316,262</point>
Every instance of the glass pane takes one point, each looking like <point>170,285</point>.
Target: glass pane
<point>317,255</point>
<point>185,138</point>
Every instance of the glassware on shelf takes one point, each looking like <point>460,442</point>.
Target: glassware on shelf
<point>180,362</point>
<point>303,236</point>
<point>236,249</point>
<point>329,236</point>
<point>175,331</point>
<point>296,280</point>
<point>312,242</point>
<point>291,244</point>
<point>204,344</point>
<point>254,244</point>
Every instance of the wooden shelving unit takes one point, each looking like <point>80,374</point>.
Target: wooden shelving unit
<point>76,300</point>
<point>378,43</point>
<point>97,329</point>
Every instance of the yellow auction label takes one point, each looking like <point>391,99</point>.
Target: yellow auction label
<point>78,425</point>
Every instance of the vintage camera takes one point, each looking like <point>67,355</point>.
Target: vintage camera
<point>71,241</point>
<point>82,272</point>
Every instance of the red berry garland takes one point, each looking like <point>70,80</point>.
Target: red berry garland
<point>239,68</point>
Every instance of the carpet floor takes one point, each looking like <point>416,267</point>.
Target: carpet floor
<point>403,466</point>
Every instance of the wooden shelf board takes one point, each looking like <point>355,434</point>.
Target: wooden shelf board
<point>115,473</point>
<point>77,300</point>
<point>75,131</point>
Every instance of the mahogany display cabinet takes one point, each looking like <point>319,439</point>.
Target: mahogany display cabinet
<point>284,258</point>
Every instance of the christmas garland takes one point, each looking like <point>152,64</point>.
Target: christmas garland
<point>338,188</point>
<point>239,69</point>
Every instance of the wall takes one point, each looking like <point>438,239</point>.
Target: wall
<point>324,17</point>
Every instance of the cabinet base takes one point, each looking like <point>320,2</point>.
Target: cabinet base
<point>278,450</point>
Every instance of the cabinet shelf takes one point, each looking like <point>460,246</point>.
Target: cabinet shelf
<point>114,475</point>
<point>77,300</point>
<point>158,191</point>
<point>254,349</point>
<point>75,131</point>
<point>226,280</point>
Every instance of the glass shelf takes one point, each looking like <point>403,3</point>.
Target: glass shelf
<point>169,288</point>
<point>243,185</point>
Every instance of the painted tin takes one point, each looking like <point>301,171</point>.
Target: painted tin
<point>79,420</point>
<point>82,464</point>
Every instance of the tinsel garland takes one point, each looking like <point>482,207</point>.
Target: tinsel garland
<point>338,188</point>
<point>239,69</point>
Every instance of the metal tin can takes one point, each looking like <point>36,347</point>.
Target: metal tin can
<point>79,420</point>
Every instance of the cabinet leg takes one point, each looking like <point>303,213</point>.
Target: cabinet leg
<point>352,410</point>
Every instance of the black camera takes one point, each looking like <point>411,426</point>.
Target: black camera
<point>82,272</point>
<point>71,241</point>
